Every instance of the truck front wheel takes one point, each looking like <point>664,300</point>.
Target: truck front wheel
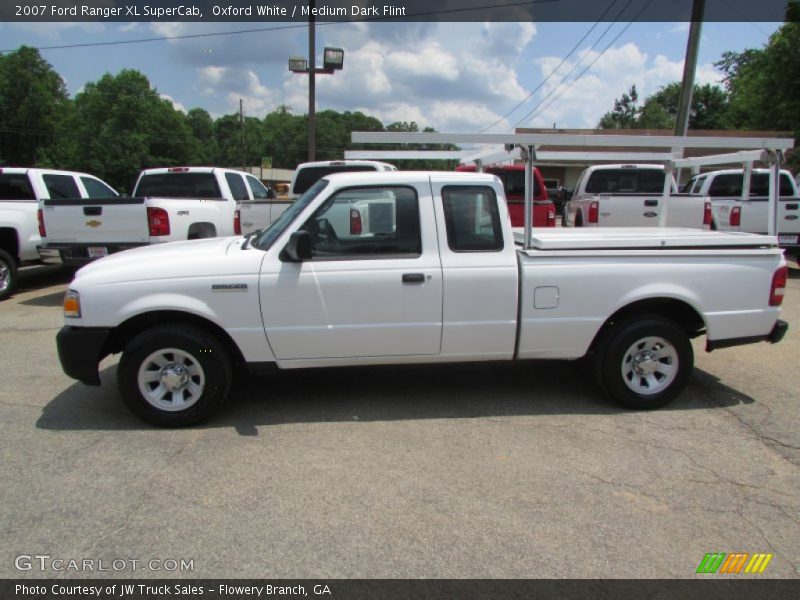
<point>174,375</point>
<point>644,362</point>
<point>8,274</point>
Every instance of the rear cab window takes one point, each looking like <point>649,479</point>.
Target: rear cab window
<point>179,185</point>
<point>472,219</point>
<point>61,186</point>
<point>308,176</point>
<point>626,181</point>
<point>16,186</point>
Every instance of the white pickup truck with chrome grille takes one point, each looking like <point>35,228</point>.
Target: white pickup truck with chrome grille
<point>432,273</point>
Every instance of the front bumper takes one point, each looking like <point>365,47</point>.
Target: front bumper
<point>773,337</point>
<point>80,350</point>
<point>77,255</point>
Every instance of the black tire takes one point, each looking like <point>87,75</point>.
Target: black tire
<point>200,347</point>
<point>616,349</point>
<point>8,274</point>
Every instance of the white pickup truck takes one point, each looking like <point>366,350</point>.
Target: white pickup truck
<point>168,205</point>
<point>631,196</point>
<point>21,189</point>
<point>733,212</point>
<point>446,281</point>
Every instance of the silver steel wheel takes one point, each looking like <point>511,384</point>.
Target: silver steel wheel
<point>650,365</point>
<point>171,379</point>
<point>5,276</point>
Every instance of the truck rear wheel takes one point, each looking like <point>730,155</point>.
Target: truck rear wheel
<point>174,375</point>
<point>8,274</point>
<point>644,362</point>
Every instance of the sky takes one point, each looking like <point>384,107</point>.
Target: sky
<point>455,77</point>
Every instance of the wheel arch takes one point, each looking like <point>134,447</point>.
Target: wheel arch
<point>123,333</point>
<point>9,241</point>
<point>677,310</point>
<point>201,230</point>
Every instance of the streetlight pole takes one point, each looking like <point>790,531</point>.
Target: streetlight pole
<point>312,83</point>
<point>333,60</point>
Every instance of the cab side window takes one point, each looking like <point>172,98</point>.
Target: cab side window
<point>97,189</point>
<point>61,186</point>
<point>238,188</point>
<point>369,222</point>
<point>472,219</point>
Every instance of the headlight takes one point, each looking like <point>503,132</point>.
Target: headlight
<point>72,304</point>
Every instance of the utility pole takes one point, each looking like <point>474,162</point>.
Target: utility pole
<point>689,68</point>
<point>241,125</point>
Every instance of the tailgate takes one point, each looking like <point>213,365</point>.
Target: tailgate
<point>644,210</point>
<point>112,220</point>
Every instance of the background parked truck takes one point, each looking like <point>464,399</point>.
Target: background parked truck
<point>21,189</point>
<point>168,205</point>
<point>632,196</point>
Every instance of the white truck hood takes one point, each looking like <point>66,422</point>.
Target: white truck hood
<point>193,258</point>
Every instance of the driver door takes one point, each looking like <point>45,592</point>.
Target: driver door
<point>373,287</point>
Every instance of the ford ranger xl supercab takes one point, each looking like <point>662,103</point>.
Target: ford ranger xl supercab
<point>631,196</point>
<point>21,189</point>
<point>732,212</point>
<point>513,178</point>
<point>168,204</point>
<point>436,274</point>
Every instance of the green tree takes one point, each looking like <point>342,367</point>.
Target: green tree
<point>624,113</point>
<point>205,150</point>
<point>763,84</point>
<point>33,101</point>
<point>119,126</point>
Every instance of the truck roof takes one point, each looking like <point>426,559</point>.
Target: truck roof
<point>163,170</point>
<point>400,177</point>
<point>350,162</point>
<point>632,166</point>
<point>32,170</point>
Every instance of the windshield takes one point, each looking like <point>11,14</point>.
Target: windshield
<point>274,231</point>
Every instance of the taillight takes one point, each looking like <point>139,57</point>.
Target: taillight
<point>157,221</point>
<point>237,223</point>
<point>594,211</point>
<point>551,218</point>
<point>40,219</point>
<point>707,219</point>
<point>736,216</point>
<point>355,222</point>
<point>778,286</point>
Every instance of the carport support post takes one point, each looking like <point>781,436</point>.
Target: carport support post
<point>747,169</point>
<point>665,192</point>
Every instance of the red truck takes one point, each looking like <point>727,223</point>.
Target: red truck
<point>513,178</point>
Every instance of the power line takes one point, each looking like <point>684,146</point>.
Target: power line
<point>281,27</point>
<point>546,79</point>
<point>589,66</point>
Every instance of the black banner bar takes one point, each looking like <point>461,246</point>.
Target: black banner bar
<point>712,588</point>
<point>288,11</point>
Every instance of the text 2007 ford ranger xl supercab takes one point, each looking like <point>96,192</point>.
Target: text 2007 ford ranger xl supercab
<point>435,276</point>
<point>169,204</point>
<point>21,189</point>
<point>631,196</point>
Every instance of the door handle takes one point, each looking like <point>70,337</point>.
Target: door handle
<point>651,202</point>
<point>92,211</point>
<point>791,207</point>
<point>413,278</point>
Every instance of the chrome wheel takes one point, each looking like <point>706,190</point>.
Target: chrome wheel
<point>171,379</point>
<point>5,276</point>
<point>650,365</point>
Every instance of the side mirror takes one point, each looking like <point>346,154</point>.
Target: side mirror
<point>298,248</point>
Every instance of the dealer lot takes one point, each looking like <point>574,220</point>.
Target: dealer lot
<point>488,470</point>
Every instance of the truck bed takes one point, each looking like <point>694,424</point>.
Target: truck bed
<point>641,238</point>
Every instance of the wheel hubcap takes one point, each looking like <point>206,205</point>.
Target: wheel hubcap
<point>5,277</point>
<point>171,379</point>
<point>650,365</point>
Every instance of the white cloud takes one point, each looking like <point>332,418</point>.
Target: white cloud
<point>583,102</point>
<point>233,84</point>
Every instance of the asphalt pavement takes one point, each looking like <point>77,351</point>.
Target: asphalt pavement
<point>488,470</point>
